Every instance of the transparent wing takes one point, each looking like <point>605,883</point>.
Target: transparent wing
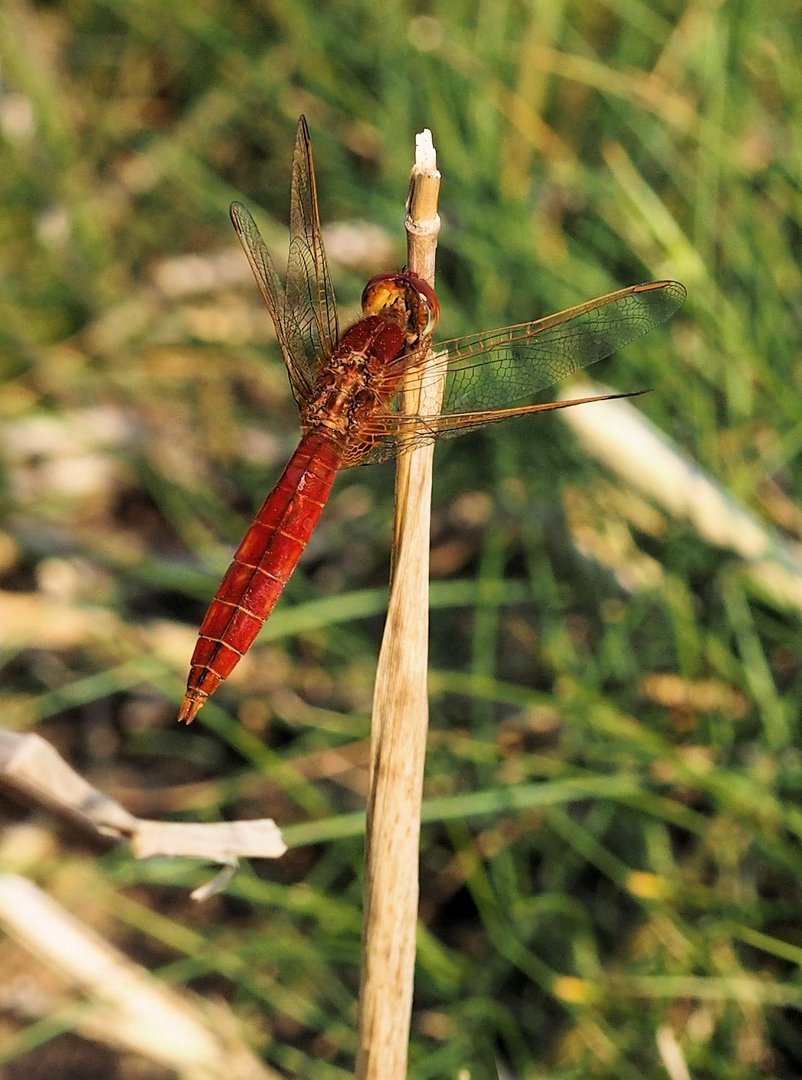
<point>303,309</point>
<point>487,373</point>
<point>311,307</point>
<point>272,290</point>
<point>498,368</point>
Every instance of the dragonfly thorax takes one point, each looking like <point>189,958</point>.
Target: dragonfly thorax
<point>359,378</point>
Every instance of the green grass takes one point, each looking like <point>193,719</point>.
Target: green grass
<point>611,847</point>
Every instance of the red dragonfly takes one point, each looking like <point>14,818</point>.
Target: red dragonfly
<point>347,389</point>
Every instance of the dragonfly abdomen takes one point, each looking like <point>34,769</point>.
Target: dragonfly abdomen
<point>262,566</point>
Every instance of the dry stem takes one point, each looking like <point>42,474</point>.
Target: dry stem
<point>400,716</point>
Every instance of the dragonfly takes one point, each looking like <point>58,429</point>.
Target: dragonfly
<point>349,388</point>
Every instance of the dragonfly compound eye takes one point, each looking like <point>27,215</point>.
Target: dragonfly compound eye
<point>405,298</point>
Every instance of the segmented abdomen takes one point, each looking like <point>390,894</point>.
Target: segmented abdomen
<point>262,566</point>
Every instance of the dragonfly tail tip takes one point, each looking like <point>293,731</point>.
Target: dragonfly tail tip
<point>190,709</point>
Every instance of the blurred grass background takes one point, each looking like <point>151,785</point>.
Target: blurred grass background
<point>611,854</point>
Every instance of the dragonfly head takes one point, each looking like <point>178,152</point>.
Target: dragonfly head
<point>406,299</point>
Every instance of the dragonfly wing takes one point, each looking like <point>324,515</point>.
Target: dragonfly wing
<point>392,434</point>
<point>495,369</point>
<point>312,309</point>
<point>275,297</point>
<point>487,373</point>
